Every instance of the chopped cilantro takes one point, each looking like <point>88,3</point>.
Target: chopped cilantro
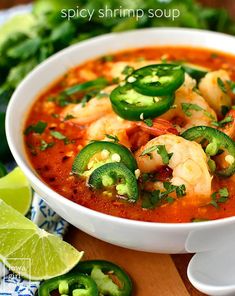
<point>161,150</point>
<point>186,107</point>
<point>214,55</point>
<point>54,115</point>
<point>44,145</point>
<point>114,138</point>
<point>231,85</point>
<point>128,70</point>
<point>149,122</point>
<point>223,122</point>
<point>36,128</point>
<point>69,116</point>
<point>199,220</point>
<point>220,196</point>
<point>156,198</point>
<point>58,135</point>
<point>107,58</point>
<point>221,85</point>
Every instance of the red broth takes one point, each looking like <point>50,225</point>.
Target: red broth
<point>53,164</point>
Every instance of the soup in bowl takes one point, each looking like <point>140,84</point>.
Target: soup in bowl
<point>130,136</point>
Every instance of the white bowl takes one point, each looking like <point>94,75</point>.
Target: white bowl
<point>143,236</point>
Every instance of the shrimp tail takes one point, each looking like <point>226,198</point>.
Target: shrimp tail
<point>159,127</point>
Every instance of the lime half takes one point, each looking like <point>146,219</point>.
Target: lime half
<point>15,190</point>
<point>30,251</point>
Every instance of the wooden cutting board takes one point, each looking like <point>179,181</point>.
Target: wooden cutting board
<point>152,274</point>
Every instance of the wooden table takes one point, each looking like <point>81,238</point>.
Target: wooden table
<point>153,274</point>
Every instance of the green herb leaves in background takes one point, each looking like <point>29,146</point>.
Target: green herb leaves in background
<point>27,40</point>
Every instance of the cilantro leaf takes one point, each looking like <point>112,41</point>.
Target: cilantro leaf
<point>149,122</point>
<point>186,107</point>
<point>220,196</point>
<point>221,85</point>
<point>128,70</point>
<point>223,122</point>
<point>111,137</point>
<point>36,128</point>
<point>161,150</point>
<point>44,145</point>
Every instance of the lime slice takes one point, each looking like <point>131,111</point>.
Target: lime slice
<point>30,251</point>
<point>15,191</point>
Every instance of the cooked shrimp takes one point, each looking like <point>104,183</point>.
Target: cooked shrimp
<point>93,110</point>
<point>215,89</point>
<point>115,69</point>
<point>112,125</point>
<point>188,164</point>
<point>199,112</point>
<point>130,133</point>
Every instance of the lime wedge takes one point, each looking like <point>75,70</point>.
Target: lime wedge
<point>15,191</point>
<point>30,251</point>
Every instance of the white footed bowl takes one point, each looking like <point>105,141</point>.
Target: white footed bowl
<point>143,236</point>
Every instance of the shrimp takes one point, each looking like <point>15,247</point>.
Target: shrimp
<point>188,163</point>
<point>130,133</point>
<point>92,111</point>
<point>116,69</point>
<point>190,108</point>
<point>111,125</point>
<point>215,89</point>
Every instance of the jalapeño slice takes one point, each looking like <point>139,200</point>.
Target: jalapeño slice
<point>131,105</point>
<point>157,80</point>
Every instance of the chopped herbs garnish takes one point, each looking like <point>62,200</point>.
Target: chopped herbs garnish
<point>220,196</point>
<point>157,198</point>
<point>69,116</point>
<point>44,145</point>
<point>149,122</point>
<point>107,58</point>
<point>186,107</point>
<point>116,80</point>
<point>161,150</point>
<point>199,220</point>
<point>128,70</point>
<point>58,135</point>
<point>114,138</point>
<point>54,115</point>
<point>36,128</point>
<point>223,122</point>
<point>221,85</point>
<point>214,55</point>
<point>231,85</point>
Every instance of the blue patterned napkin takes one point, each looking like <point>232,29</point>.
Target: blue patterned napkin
<point>46,218</point>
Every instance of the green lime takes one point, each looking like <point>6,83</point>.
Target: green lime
<point>30,251</point>
<point>19,23</point>
<point>15,190</point>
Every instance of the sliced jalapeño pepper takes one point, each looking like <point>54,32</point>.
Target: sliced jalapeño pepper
<point>157,80</point>
<point>130,104</point>
<point>74,284</point>
<point>100,152</point>
<point>215,142</point>
<point>115,175</point>
<point>110,278</point>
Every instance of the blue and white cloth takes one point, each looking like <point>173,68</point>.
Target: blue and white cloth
<point>46,218</point>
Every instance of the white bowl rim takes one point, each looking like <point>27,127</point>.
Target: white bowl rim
<point>65,201</point>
